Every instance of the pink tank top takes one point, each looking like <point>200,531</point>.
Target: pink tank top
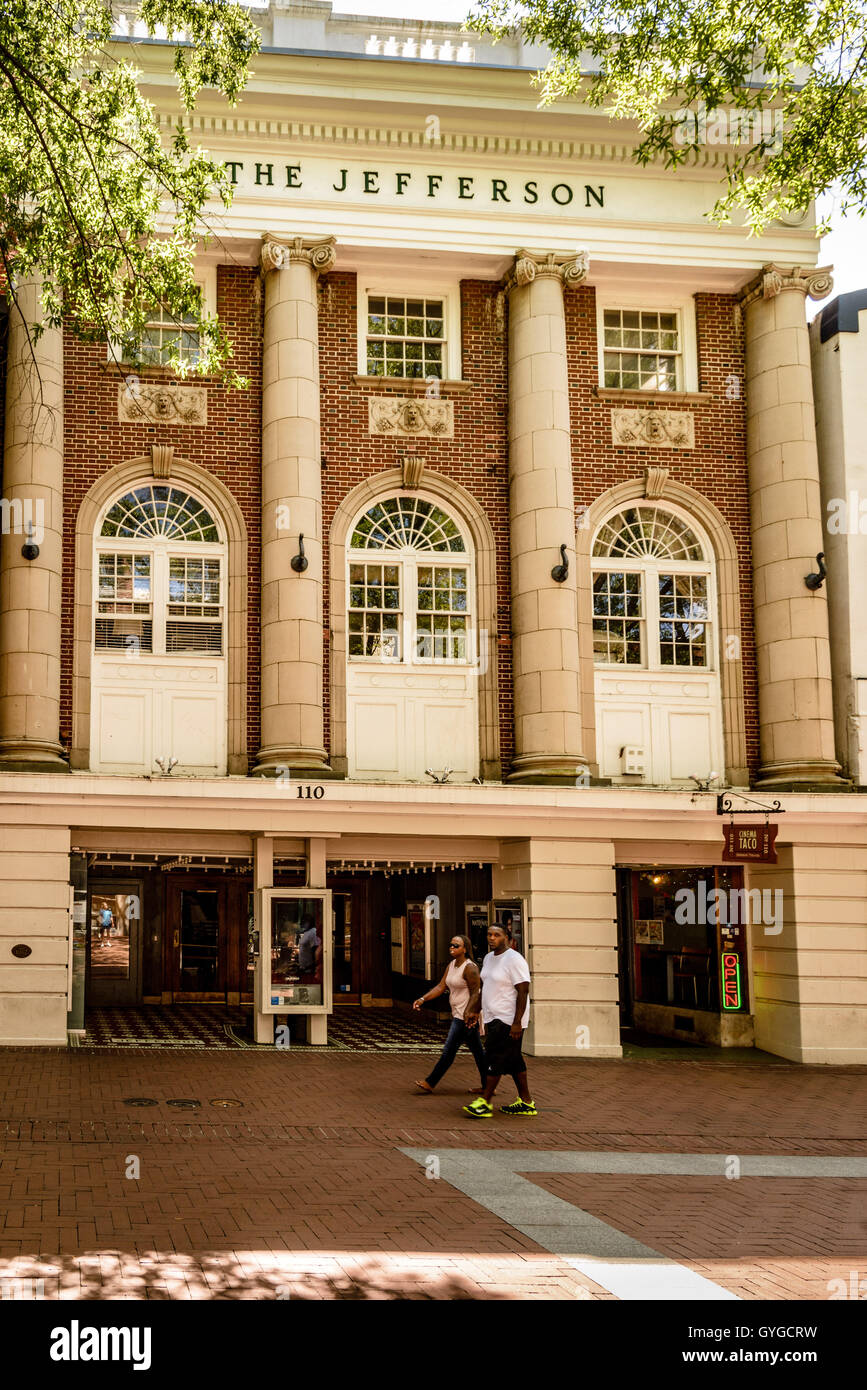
<point>459,991</point>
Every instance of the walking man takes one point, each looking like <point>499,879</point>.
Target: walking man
<point>503,1001</point>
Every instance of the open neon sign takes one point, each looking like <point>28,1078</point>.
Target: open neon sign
<point>731,980</point>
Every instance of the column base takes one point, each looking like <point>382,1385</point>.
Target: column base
<point>292,762</point>
<point>818,776</point>
<point>549,769</point>
<point>31,755</point>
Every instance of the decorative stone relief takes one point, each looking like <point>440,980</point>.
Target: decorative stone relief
<point>663,429</point>
<point>153,403</point>
<point>571,269</point>
<point>319,255</point>
<point>413,468</point>
<point>772,279</point>
<point>422,418</point>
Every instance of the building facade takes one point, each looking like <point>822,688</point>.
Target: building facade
<point>468,608</point>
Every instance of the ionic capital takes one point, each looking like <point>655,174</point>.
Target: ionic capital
<point>773,279</point>
<point>319,255</point>
<point>569,269</point>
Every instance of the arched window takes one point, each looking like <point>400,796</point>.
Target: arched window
<point>158,672</point>
<point>410,606</point>
<point>652,592</point>
<point>160,563</point>
<point>658,708</point>
<point>411,645</point>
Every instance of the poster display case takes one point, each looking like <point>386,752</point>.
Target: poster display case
<point>294,968</point>
<point>511,912</point>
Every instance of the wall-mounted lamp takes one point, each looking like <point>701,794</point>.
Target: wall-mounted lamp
<point>815,581</point>
<point>300,562</point>
<point>30,550</point>
<point>561,571</point>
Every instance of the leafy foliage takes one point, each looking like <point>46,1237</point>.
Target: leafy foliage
<point>86,179</point>
<point>793,71</point>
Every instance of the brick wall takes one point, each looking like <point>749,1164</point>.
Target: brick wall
<point>229,446</point>
<point>716,467</point>
<point>477,456</point>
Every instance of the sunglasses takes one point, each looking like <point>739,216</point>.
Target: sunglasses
<point>455,945</point>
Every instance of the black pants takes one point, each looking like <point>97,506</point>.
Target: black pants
<point>459,1033</point>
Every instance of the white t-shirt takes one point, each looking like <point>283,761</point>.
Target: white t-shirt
<point>500,975</point>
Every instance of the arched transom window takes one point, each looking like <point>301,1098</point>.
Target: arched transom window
<point>160,575</point>
<point>406,523</point>
<point>169,513</point>
<point>412,605</point>
<point>652,591</point>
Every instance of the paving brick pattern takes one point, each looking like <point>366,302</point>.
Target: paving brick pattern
<point>758,1237</point>
<point>301,1191</point>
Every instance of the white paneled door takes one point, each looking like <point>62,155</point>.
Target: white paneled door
<point>411,683</point>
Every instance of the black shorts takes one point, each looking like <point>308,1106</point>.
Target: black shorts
<point>502,1051</point>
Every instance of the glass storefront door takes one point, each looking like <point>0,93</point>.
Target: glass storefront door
<point>197,941</point>
<point>113,971</point>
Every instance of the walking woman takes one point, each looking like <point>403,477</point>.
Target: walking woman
<point>461,979</point>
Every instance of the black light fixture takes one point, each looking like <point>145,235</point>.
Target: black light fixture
<point>30,550</point>
<point>815,581</point>
<point>561,571</point>
<point>300,562</point>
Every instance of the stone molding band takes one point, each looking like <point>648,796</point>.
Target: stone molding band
<point>772,279</point>
<point>570,269</point>
<point>320,255</point>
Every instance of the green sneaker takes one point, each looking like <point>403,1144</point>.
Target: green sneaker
<point>480,1109</point>
<point>520,1107</point>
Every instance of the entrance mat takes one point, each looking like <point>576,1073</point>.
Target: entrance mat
<point>215,1026</point>
<point>175,1025</point>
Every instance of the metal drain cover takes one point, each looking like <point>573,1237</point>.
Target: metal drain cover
<point>140,1101</point>
<point>184,1104</point>
<point>226,1104</point>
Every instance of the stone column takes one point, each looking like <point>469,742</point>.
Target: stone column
<point>792,649</point>
<point>548,735</point>
<point>30,590</point>
<point>291,618</point>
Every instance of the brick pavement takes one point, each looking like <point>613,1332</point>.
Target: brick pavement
<point>303,1187</point>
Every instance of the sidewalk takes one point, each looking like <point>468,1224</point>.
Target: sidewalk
<point>291,1177</point>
